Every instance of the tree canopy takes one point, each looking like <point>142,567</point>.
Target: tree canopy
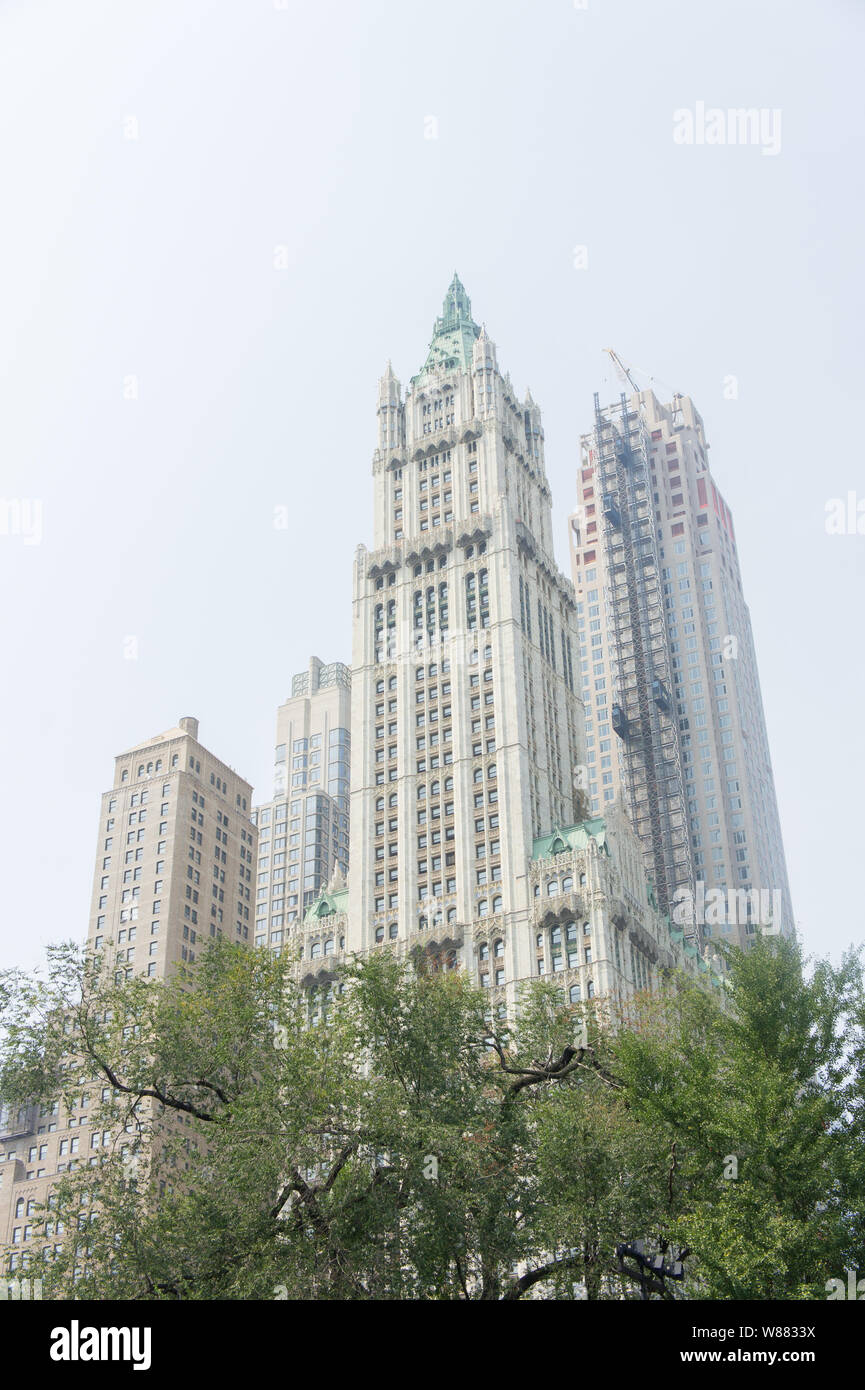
<point>398,1143</point>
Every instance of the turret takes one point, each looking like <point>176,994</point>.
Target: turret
<point>534,429</point>
<point>391,431</point>
<point>485,372</point>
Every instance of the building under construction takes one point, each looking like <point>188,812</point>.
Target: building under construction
<point>675,728</point>
<point>643,715</point>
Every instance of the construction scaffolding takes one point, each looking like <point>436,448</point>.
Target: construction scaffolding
<point>644,714</point>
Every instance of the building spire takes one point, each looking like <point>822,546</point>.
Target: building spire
<point>457,307</point>
<point>455,330</point>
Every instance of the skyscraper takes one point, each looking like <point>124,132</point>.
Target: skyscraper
<point>466,724</point>
<point>472,846</point>
<point>175,854</point>
<point>675,718</point>
<point>304,829</point>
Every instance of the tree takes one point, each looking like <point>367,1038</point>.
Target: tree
<point>394,1145</point>
<point>764,1104</point>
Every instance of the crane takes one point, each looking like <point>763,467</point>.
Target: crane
<point>622,371</point>
<point>624,374</point>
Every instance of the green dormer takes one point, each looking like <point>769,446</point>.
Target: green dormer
<point>572,837</point>
<point>327,904</point>
<point>455,331</point>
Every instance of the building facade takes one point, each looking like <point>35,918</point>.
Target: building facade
<point>666,647</point>
<point>593,926</point>
<point>304,829</point>
<point>472,842</point>
<point>466,720</point>
<point>175,856</point>
<point>486,833</point>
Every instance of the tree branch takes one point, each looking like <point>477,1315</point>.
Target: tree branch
<point>518,1287</point>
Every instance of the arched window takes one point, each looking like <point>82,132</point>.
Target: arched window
<point>571,932</point>
<point>498,948</point>
<point>587,927</point>
<point>483,951</point>
<point>552,887</point>
<point>379,935</point>
<point>422,924</point>
<point>328,946</point>
<point>556,936</point>
<point>574,994</point>
<point>497,904</point>
<point>567,884</point>
<point>393,931</point>
<point>590,990</point>
<point>582,880</point>
<point>491,771</point>
<point>452,914</point>
<point>483,907</point>
<point>479,776</point>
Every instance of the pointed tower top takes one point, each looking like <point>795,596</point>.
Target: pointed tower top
<point>457,306</point>
<point>455,330</point>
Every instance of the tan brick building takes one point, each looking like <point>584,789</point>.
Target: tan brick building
<point>175,859</point>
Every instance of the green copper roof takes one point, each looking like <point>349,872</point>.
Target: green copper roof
<point>455,331</point>
<point>572,837</point>
<point>325,904</point>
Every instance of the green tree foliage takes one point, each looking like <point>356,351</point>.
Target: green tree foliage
<point>399,1147</point>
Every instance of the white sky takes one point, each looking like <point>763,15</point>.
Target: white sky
<point>303,127</point>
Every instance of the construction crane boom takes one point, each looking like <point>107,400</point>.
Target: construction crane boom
<point>623,371</point>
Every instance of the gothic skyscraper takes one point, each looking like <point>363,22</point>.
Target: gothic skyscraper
<point>467,719</point>
<point>472,842</point>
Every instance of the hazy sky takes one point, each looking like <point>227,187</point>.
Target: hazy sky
<point>161,160</point>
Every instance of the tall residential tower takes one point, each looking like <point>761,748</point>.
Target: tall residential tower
<point>175,855</point>
<point>303,830</point>
<point>675,724</point>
